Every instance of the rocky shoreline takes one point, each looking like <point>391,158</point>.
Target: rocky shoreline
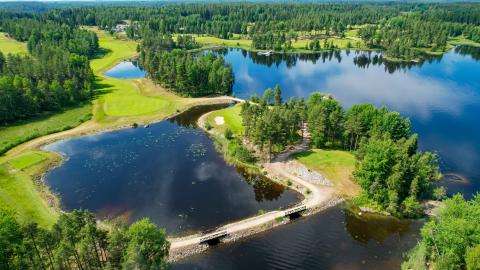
<point>181,253</point>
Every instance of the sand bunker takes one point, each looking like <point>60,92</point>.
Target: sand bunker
<point>219,120</point>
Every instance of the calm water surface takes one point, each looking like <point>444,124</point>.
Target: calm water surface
<point>126,70</point>
<point>441,96</point>
<point>169,172</point>
<point>329,240</point>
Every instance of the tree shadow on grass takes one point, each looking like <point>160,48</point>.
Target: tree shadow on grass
<point>102,88</point>
<point>101,52</point>
<point>303,154</point>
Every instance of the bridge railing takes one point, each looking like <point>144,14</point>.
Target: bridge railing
<point>295,209</point>
<point>213,235</point>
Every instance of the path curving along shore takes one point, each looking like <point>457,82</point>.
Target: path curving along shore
<point>316,197</point>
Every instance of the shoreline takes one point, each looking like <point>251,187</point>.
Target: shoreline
<point>317,197</point>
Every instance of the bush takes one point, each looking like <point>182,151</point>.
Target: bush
<point>439,193</point>
<point>228,134</point>
<point>208,126</point>
<point>240,152</point>
<point>472,259</point>
<point>411,207</point>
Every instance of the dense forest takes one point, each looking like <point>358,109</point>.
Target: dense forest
<point>187,74</point>
<point>402,30</point>
<point>76,242</point>
<point>55,75</point>
<point>378,136</point>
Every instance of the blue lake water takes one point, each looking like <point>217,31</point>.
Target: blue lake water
<point>126,70</point>
<point>441,96</point>
<point>169,172</point>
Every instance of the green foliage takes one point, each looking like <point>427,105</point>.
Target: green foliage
<point>325,121</point>
<point>203,75</point>
<point>452,239</point>
<point>75,242</point>
<point>239,152</point>
<point>472,258</point>
<point>439,193</point>
<point>147,247</point>
<point>394,174</point>
<point>273,126</point>
<point>58,75</point>
<point>228,134</point>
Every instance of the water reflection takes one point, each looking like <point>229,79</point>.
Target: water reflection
<point>323,241</point>
<point>378,228</point>
<point>441,95</point>
<point>167,172</point>
<point>126,70</point>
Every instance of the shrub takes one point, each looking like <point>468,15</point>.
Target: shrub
<point>228,134</point>
<point>472,259</point>
<point>439,193</point>
<point>411,207</point>
<point>208,126</point>
<point>240,152</point>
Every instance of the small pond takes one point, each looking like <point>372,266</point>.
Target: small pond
<point>169,172</point>
<point>126,70</point>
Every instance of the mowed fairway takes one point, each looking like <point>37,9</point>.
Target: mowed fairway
<point>337,166</point>
<point>9,45</point>
<point>120,98</point>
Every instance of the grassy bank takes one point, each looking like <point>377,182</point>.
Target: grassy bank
<point>10,45</point>
<point>22,190</point>
<point>298,46</point>
<point>336,165</point>
<point>216,123</point>
<point>117,103</point>
<point>18,133</point>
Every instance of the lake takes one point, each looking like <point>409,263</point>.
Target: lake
<point>126,70</point>
<point>160,171</point>
<point>169,172</point>
<point>441,95</point>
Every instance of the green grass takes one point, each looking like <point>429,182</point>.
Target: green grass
<point>115,50</point>
<point>27,160</point>
<point>210,40</point>
<point>232,119</point>
<point>9,45</point>
<point>298,46</point>
<point>16,134</point>
<point>19,192</point>
<point>120,98</point>
<point>461,40</point>
<point>337,166</point>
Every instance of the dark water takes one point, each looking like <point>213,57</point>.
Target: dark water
<point>169,172</point>
<point>441,96</point>
<point>332,239</point>
<point>126,70</point>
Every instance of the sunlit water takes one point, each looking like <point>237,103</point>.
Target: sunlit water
<point>440,96</point>
<point>159,172</point>
<point>126,70</point>
<point>169,172</point>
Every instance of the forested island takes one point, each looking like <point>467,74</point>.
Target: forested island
<point>52,80</point>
